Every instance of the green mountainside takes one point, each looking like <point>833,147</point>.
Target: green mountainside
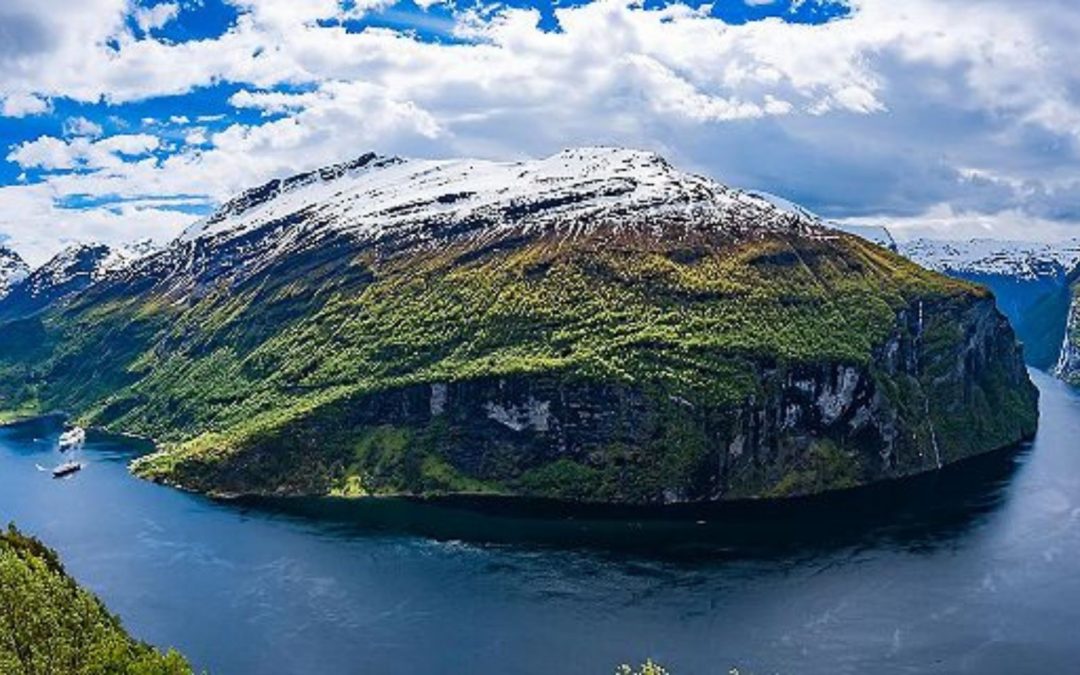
<point>680,359</point>
<point>51,626</point>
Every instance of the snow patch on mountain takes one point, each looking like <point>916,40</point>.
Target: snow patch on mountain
<point>572,192</point>
<point>13,269</point>
<point>1023,260</point>
<point>873,233</point>
<point>80,265</point>
<point>123,257</point>
<point>78,262</point>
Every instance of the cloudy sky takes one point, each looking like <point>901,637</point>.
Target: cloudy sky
<point>124,119</point>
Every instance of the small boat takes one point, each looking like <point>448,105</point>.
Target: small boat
<point>66,469</point>
<point>72,438</point>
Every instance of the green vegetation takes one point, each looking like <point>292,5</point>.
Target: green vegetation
<point>50,626</point>
<point>650,667</point>
<point>273,384</point>
<point>826,468</point>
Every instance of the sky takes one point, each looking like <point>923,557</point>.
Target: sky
<point>127,119</point>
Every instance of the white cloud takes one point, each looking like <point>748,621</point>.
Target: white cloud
<point>149,18</point>
<point>39,227</point>
<point>1014,224</point>
<point>51,153</point>
<point>901,110</point>
<point>129,144</point>
<point>196,136</point>
<point>80,126</point>
<point>21,105</point>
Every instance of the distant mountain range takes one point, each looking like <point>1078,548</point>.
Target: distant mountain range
<point>24,292</point>
<point>596,325</point>
<point>1034,284</point>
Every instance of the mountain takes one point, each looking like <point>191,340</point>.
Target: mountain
<point>12,270</point>
<point>66,274</point>
<point>596,325</point>
<point>1024,260</point>
<point>1031,281</point>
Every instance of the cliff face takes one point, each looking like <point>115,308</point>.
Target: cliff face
<point>1068,365</point>
<point>593,326</point>
<point>1030,281</point>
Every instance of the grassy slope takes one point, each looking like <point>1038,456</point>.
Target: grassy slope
<point>247,366</point>
<point>50,626</point>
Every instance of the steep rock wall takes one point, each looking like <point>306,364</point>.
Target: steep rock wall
<point>947,384</point>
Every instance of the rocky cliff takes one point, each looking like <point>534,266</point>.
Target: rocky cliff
<point>946,384</point>
<point>1068,364</point>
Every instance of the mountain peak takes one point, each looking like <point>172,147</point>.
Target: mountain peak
<point>252,198</point>
<point>13,269</point>
<point>66,267</point>
<point>417,200</point>
<point>68,272</point>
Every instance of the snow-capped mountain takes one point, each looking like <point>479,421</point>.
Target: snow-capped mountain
<point>1030,280</point>
<point>75,266</point>
<point>1019,259</point>
<point>396,204</point>
<point>875,233</point>
<point>375,198</point>
<point>527,317</point>
<point>120,258</point>
<point>12,270</point>
<point>68,272</point>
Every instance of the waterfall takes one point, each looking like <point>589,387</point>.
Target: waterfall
<point>933,432</point>
<point>926,398</point>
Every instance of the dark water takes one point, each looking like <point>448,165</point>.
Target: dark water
<point>976,570</point>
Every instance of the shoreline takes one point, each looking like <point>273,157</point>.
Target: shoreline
<point>527,502</point>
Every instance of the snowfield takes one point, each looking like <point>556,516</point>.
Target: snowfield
<point>1024,260</point>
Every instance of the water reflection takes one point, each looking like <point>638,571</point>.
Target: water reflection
<point>916,514</point>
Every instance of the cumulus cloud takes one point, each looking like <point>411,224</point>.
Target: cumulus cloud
<point>149,18</point>
<point>80,126</point>
<point>51,153</point>
<point>44,226</point>
<point>933,111</point>
<point>21,105</point>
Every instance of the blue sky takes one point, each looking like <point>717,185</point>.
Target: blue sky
<point>123,119</point>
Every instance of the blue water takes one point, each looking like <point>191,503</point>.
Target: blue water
<point>971,571</point>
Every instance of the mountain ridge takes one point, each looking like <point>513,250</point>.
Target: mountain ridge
<point>71,271</point>
<point>13,269</point>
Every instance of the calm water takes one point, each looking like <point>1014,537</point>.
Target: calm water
<point>976,570</point>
